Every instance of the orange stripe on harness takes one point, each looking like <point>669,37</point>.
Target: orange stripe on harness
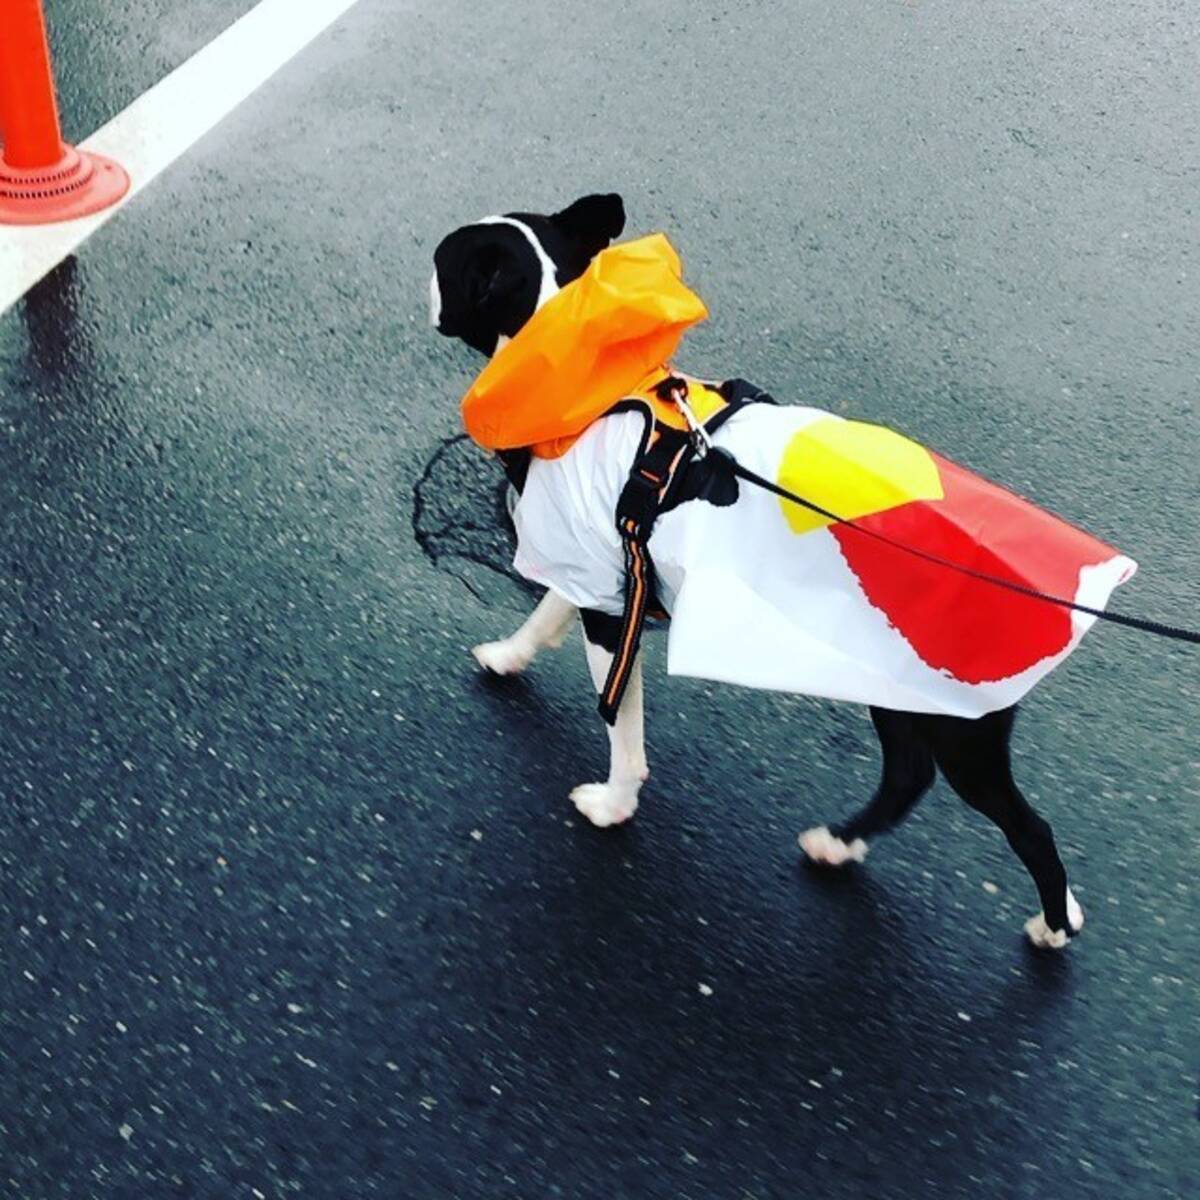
<point>635,616</point>
<point>649,480</point>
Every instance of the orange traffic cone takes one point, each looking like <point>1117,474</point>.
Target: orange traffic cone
<point>41,178</point>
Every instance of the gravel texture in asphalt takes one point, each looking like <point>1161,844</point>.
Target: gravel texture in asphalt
<point>293,901</point>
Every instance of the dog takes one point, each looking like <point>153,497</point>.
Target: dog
<point>490,278</point>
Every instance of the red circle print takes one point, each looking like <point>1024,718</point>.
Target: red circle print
<point>975,631</point>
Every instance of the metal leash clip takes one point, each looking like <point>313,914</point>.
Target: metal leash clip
<point>675,390</point>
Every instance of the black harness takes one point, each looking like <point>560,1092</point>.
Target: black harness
<point>659,473</point>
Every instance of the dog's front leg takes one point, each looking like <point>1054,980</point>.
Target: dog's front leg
<point>615,800</point>
<point>545,628</point>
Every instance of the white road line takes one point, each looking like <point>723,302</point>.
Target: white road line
<point>163,122</point>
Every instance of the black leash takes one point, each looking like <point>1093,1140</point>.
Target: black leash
<point>676,389</point>
<point>651,478</point>
<point>729,463</point>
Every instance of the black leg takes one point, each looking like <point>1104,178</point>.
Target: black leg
<point>908,773</point>
<point>974,757</point>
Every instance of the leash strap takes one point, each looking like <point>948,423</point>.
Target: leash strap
<point>731,464</point>
<point>658,467</point>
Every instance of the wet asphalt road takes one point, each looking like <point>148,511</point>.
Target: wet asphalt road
<point>106,54</point>
<point>293,902</point>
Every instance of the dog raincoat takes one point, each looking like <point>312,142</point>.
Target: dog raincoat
<point>762,592</point>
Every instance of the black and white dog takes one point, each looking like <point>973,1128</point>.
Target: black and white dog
<point>489,278</point>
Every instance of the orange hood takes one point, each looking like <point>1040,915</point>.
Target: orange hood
<point>587,347</point>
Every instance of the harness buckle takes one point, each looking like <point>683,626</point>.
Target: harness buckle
<point>637,505</point>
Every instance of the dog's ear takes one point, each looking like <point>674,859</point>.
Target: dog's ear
<point>592,221</point>
<point>491,275</point>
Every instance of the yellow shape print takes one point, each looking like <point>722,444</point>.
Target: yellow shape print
<point>853,469</point>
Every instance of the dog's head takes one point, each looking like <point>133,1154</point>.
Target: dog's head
<point>490,277</point>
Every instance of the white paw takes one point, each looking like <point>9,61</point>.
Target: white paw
<point>1045,938</point>
<point>508,657</point>
<point>606,803</point>
<point>1074,912</point>
<point>822,847</point>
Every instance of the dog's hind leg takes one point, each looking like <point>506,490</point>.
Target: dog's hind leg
<point>974,757</point>
<point>908,772</point>
<point>545,628</point>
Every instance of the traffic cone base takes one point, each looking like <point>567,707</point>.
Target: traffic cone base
<point>78,184</point>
